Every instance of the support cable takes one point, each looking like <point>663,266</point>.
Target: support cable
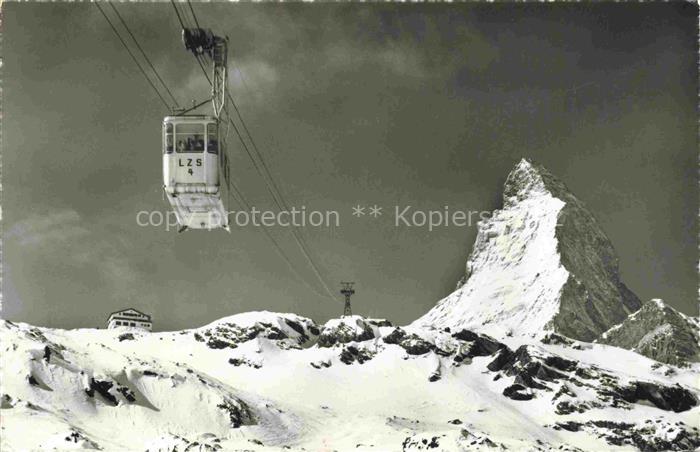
<point>148,60</point>
<point>132,56</point>
<point>265,174</point>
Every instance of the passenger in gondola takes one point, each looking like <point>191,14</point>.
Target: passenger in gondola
<point>180,146</point>
<point>198,143</point>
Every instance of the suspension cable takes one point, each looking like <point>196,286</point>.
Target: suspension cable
<point>238,196</point>
<point>280,203</point>
<point>276,194</point>
<point>132,56</point>
<point>148,60</point>
<point>179,18</point>
<point>193,14</point>
<point>265,174</point>
<point>269,181</point>
<point>242,201</point>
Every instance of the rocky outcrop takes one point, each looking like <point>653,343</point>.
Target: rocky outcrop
<point>103,388</point>
<point>411,343</point>
<point>238,412</point>
<point>659,332</point>
<point>477,345</point>
<point>351,354</point>
<point>206,442</point>
<point>651,436</point>
<point>347,329</point>
<point>287,330</point>
<point>533,370</point>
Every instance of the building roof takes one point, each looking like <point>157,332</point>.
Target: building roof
<point>128,309</point>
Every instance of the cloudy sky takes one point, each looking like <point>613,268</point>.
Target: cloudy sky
<point>427,106</point>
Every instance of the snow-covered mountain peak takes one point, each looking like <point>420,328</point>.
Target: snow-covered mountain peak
<point>523,181</point>
<point>528,180</point>
<point>541,263</point>
<point>659,302</point>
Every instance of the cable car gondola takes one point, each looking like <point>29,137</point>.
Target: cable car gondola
<point>191,165</point>
<point>193,150</point>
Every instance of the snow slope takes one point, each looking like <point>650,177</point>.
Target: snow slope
<point>456,391</point>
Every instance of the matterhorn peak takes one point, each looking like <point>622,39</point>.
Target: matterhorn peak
<point>525,179</point>
<point>524,167</point>
<point>541,263</point>
<point>529,179</point>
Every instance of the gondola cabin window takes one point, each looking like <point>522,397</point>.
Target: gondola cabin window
<point>168,138</point>
<point>189,138</point>
<point>212,139</point>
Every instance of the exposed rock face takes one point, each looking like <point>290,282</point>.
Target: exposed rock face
<point>659,332</point>
<point>351,354</point>
<point>540,263</point>
<point>174,443</point>
<point>593,297</point>
<point>238,412</point>
<point>652,436</point>
<point>534,370</point>
<point>352,328</point>
<point>288,330</point>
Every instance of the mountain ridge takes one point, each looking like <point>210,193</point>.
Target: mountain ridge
<point>659,332</point>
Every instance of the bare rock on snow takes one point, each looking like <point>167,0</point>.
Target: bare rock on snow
<point>346,329</point>
<point>659,332</point>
